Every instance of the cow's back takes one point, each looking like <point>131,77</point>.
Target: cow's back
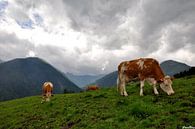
<point>47,86</point>
<point>141,68</point>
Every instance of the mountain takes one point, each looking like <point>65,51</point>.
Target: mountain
<point>1,61</point>
<point>105,109</point>
<point>171,67</point>
<point>24,77</point>
<point>190,72</point>
<point>108,80</point>
<point>83,80</point>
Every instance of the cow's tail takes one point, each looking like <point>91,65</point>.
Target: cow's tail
<point>118,86</point>
<point>118,79</point>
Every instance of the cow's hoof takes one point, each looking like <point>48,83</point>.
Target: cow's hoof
<point>141,94</point>
<point>125,94</point>
<point>156,94</point>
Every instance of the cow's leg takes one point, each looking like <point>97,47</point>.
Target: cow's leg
<point>43,99</point>
<point>119,85</point>
<point>122,84</point>
<point>47,99</point>
<point>124,90</point>
<point>155,90</point>
<point>141,87</point>
<point>153,82</point>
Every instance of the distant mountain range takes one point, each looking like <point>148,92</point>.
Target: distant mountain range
<point>169,67</point>
<point>190,72</point>
<point>24,77</point>
<point>1,61</point>
<point>83,80</point>
<point>108,80</point>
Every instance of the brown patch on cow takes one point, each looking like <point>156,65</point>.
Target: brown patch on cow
<point>152,69</point>
<point>93,87</point>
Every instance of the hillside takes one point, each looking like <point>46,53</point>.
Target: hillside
<point>191,71</point>
<point>169,67</point>
<point>83,80</point>
<point>24,77</point>
<point>105,109</point>
<point>108,80</point>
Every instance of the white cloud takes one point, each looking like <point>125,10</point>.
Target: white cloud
<point>31,54</point>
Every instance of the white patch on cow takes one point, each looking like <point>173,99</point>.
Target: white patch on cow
<point>151,81</point>
<point>145,66</point>
<point>140,63</point>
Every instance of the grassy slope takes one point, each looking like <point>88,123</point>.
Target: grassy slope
<point>105,109</point>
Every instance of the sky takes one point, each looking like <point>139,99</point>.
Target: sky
<point>94,36</point>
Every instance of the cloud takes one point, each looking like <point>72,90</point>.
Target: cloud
<point>168,19</point>
<point>12,47</point>
<point>92,37</point>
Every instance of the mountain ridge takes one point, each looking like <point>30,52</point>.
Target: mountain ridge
<point>23,77</point>
<point>172,67</point>
<point>83,80</point>
<point>169,67</point>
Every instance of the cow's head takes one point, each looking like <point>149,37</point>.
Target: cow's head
<point>166,85</point>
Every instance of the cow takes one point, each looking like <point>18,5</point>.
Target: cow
<point>93,87</point>
<point>143,69</point>
<point>47,90</point>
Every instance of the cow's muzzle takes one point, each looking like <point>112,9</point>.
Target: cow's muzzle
<point>170,93</point>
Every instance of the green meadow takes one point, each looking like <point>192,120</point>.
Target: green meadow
<point>105,109</point>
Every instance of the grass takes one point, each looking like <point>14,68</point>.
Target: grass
<point>105,109</point>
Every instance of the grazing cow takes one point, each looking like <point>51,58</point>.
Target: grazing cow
<point>94,87</point>
<point>47,91</point>
<point>143,69</point>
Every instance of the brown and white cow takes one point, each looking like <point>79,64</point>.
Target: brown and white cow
<point>47,91</point>
<point>143,69</point>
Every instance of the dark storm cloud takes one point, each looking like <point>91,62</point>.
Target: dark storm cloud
<point>101,18</point>
<point>101,15</point>
<point>180,36</point>
<point>167,15</point>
